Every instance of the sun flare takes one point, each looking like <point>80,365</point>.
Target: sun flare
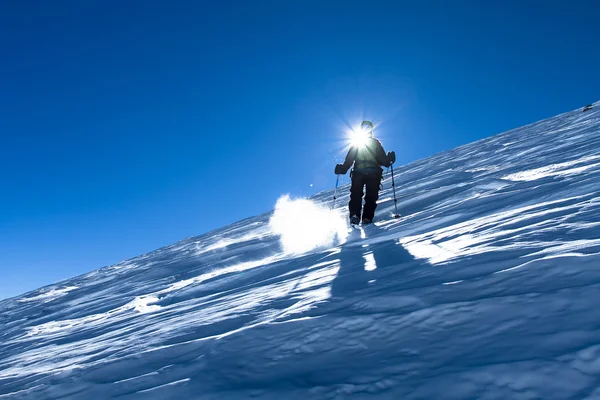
<point>358,137</point>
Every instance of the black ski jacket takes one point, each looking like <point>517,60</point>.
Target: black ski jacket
<point>366,158</point>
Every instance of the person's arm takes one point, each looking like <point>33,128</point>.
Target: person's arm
<point>381,157</point>
<point>343,168</point>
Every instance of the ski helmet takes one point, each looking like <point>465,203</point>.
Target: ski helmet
<point>367,126</point>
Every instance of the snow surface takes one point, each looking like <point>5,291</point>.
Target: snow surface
<point>487,287</point>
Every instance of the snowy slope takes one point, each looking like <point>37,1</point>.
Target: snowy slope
<point>487,287</point>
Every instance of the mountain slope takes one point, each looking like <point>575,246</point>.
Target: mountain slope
<point>486,287</point>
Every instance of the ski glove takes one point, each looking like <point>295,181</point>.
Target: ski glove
<point>391,157</point>
<point>339,169</point>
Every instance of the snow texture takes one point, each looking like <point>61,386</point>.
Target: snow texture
<point>485,288</point>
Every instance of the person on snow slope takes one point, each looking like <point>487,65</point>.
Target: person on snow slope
<point>368,156</point>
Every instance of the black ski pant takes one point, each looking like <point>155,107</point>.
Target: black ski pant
<point>371,180</point>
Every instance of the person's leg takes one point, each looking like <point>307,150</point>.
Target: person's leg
<point>356,194</point>
<point>372,182</point>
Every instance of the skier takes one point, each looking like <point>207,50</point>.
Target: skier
<point>368,156</point>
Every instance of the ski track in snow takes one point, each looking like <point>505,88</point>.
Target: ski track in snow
<point>485,287</point>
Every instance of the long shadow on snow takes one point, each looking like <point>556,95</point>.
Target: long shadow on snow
<point>381,270</point>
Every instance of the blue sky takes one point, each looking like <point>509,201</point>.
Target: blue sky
<point>127,126</point>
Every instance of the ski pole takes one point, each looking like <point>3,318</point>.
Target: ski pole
<point>394,189</point>
<point>335,191</point>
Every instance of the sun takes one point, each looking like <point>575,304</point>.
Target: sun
<point>358,137</point>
